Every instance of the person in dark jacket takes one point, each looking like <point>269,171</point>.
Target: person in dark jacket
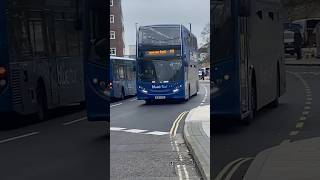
<point>297,43</point>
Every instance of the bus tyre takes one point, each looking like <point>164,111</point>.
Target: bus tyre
<point>42,113</point>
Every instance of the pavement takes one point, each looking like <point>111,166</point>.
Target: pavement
<point>303,62</point>
<point>197,137</point>
<point>295,161</point>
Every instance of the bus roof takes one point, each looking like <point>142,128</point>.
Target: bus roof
<point>169,25</point>
<point>121,58</point>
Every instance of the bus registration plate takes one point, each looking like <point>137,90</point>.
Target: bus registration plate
<point>160,97</point>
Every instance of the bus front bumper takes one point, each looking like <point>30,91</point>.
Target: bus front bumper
<point>141,96</point>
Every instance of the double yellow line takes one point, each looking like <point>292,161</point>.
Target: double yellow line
<point>229,170</point>
<point>173,130</point>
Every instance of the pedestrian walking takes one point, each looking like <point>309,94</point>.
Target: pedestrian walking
<point>297,43</point>
<point>202,75</point>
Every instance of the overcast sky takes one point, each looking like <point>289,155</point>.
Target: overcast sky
<point>148,12</point>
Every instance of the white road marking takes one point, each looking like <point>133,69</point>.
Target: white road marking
<point>309,99</point>
<point>157,133</point>
<point>307,107</point>
<point>115,105</point>
<point>135,130</point>
<point>299,125</point>
<point>133,99</point>
<point>303,118</point>
<point>18,137</point>
<point>116,129</point>
<point>74,121</point>
<point>235,167</point>
<point>138,131</point>
<point>308,102</point>
<point>293,133</point>
<point>305,112</point>
<point>286,141</point>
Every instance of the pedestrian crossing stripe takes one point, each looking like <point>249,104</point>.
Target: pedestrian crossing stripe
<point>139,131</point>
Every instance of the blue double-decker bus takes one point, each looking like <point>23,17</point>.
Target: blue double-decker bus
<point>166,63</point>
<point>96,62</point>
<point>248,69</point>
<point>122,77</point>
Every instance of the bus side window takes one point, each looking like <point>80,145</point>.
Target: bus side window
<point>121,72</point>
<point>73,38</point>
<point>36,31</point>
<point>60,35</point>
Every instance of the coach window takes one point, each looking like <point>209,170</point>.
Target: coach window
<point>72,38</point>
<point>21,46</point>
<point>60,35</point>
<point>37,37</point>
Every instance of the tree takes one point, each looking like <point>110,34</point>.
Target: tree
<point>205,46</point>
<point>205,35</point>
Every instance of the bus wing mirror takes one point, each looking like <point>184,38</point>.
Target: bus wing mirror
<point>245,8</point>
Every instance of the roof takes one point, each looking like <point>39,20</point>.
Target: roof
<point>121,58</point>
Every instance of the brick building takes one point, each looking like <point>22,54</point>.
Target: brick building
<point>116,29</point>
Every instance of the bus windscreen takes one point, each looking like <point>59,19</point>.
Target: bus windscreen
<point>160,70</point>
<point>159,36</point>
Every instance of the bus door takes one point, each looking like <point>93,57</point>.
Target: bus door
<point>244,65</point>
<point>131,77</point>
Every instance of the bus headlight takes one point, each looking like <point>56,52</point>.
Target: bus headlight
<point>143,90</point>
<point>3,82</point>
<point>175,90</point>
<point>226,77</point>
<point>95,81</point>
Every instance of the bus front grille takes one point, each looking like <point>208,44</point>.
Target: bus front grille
<point>16,86</point>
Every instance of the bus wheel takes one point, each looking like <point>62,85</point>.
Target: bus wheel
<point>42,112</point>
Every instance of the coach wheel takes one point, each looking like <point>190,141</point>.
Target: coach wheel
<point>42,112</point>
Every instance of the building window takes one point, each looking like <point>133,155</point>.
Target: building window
<point>111,18</point>
<point>111,2</point>
<point>112,35</point>
<point>113,51</point>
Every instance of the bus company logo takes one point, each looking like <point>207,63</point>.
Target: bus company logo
<point>159,86</point>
